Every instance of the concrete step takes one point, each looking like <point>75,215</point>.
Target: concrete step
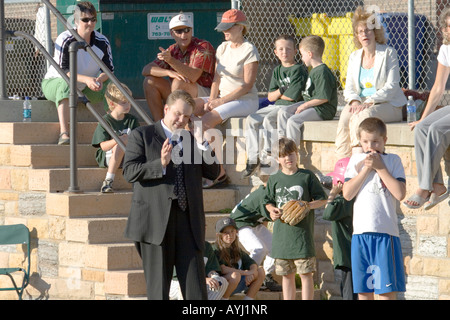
<point>96,204</point>
<point>58,179</point>
<point>113,256</point>
<point>269,295</point>
<point>96,230</point>
<point>45,155</point>
<point>132,283</point>
<point>45,111</point>
<point>41,132</point>
<point>127,282</point>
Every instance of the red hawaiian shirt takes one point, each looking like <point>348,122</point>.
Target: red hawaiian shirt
<point>200,54</point>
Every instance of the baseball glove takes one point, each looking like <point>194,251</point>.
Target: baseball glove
<point>294,211</point>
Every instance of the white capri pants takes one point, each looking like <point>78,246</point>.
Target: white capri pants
<point>236,108</point>
<point>258,243</point>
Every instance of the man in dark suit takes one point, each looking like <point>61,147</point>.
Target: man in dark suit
<point>167,232</point>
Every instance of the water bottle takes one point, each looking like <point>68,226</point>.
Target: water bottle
<point>410,110</point>
<point>27,110</point>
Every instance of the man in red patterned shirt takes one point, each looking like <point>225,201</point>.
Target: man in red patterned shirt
<point>189,64</point>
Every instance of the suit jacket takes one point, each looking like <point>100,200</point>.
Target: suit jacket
<point>153,191</point>
<point>386,77</point>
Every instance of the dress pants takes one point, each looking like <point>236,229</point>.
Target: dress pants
<point>178,250</point>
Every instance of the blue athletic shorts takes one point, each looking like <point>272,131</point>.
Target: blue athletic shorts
<point>377,263</point>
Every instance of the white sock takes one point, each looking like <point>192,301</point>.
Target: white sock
<point>224,298</point>
<point>110,176</point>
<point>248,298</point>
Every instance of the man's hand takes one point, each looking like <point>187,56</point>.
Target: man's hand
<point>166,153</point>
<point>164,55</point>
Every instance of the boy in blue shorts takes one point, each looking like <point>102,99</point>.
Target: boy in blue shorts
<point>377,181</point>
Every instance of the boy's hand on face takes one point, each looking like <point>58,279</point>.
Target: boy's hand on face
<point>374,161</point>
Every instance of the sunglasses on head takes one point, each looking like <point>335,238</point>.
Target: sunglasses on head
<point>180,31</point>
<point>86,20</point>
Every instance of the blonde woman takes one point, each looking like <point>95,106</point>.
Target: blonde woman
<point>372,88</point>
<point>233,92</point>
<point>432,132</point>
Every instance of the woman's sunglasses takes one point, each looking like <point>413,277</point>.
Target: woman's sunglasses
<point>86,20</point>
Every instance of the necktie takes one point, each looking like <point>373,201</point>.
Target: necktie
<point>180,189</point>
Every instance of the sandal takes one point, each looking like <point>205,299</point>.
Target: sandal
<point>415,198</point>
<point>63,141</point>
<point>216,182</point>
<point>435,199</point>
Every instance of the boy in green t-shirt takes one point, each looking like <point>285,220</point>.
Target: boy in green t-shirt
<point>286,86</point>
<point>293,246</point>
<point>320,94</point>
<point>109,153</point>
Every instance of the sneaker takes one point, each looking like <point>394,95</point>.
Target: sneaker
<point>250,168</point>
<point>107,186</point>
<point>271,284</point>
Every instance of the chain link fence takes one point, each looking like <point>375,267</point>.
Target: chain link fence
<point>25,66</point>
<point>331,20</point>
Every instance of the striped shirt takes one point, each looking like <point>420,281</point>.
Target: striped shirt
<point>85,64</point>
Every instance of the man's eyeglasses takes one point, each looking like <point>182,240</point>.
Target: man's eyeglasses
<point>86,20</point>
<point>180,31</point>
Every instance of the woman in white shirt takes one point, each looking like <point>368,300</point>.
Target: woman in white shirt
<point>432,132</point>
<point>372,87</point>
<point>233,92</point>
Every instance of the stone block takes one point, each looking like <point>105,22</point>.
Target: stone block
<point>71,254</point>
<point>421,288</point>
<point>88,204</point>
<point>432,246</point>
<point>125,282</point>
<point>112,257</point>
<point>32,204</point>
<point>427,224</point>
<point>96,230</point>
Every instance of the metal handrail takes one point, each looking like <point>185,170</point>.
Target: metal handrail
<point>105,69</point>
<point>81,97</point>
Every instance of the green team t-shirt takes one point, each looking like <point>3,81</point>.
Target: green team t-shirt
<point>120,127</point>
<point>293,242</point>
<point>294,78</point>
<point>321,84</point>
<point>251,211</point>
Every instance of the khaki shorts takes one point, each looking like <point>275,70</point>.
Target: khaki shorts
<point>283,267</point>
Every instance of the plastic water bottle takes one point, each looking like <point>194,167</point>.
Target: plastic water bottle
<point>27,110</point>
<point>410,110</point>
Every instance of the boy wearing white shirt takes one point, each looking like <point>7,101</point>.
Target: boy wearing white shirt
<point>377,180</point>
